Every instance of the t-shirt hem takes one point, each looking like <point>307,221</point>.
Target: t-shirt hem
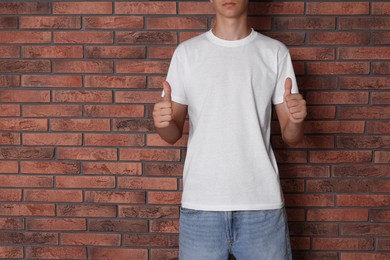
<point>232,207</point>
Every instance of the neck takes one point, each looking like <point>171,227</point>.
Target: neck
<point>231,29</point>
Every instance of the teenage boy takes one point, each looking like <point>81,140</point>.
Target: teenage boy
<point>228,78</point>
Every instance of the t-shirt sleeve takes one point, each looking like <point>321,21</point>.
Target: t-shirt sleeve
<point>175,78</point>
<point>285,70</point>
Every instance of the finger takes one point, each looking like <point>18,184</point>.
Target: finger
<point>167,91</point>
<point>287,87</point>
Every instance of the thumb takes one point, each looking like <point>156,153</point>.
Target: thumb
<point>167,91</point>
<point>287,87</point>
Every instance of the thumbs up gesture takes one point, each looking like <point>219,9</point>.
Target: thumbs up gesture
<point>294,103</point>
<point>162,112</point>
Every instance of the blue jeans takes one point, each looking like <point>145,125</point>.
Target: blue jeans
<point>248,235</point>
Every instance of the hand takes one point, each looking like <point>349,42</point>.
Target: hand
<point>162,112</point>
<point>294,103</point>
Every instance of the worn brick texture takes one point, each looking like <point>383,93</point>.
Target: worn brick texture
<point>83,174</point>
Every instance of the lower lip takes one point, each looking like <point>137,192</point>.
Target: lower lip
<point>229,5</point>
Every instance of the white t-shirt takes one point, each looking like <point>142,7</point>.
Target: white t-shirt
<point>229,87</point>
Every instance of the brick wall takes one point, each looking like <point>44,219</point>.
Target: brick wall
<point>83,175</point>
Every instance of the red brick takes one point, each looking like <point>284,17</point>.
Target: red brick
<point>163,169</point>
<point>364,23</point>
<point>347,186</point>
<point>118,225</point>
<point>52,52</point>
<point>280,8</point>
<point>156,140</point>
<point>27,209</point>
<point>53,195</point>
<point>52,110</point>
<point>26,181</point>
<point>137,183</point>
<point>176,23</point>
<point>137,96</point>
<point>115,52</point>
<point>85,182</point>
<point>24,37</point>
<point>24,96</point>
<point>16,124</point>
<point>364,112</point>
<point>145,8</point>
<point>163,254</point>
<point>114,140</point>
<point>309,141</point>
<point>317,82</point>
<point>10,252</point>
<point>11,223</point>
<point>380,98</point>
<point>378,215</point>
<point>383,244</point>
<point>321,112</point>
<point>133,125</point>
<point>50,167</point>
<point>116,197</point>
<point>116,168</point>
<point>313,229</point>
<point>113,22</point>
<point>142,67</point>
<point>161,52</point>
<point>344,156</point>
<point>82,66</point>
<point>29,237</point>
<point>147,37</point>
<point>311,53</point>
<point>148,212</point>
<point>288,38</point>
<point>364,53</point>
<point>72,210</point>
<point>25,7</point>
<point>9,81</point>
<point>164,226</point>
<point>295,214</point>
<point>336,38</point>
<point>359,170</point>
<point>66,224</point>
<point>364,82</point>
<point>196,8</point>
<point>9,167</point>
<point>52,139</point>
<point>82,7</point>
<point>365,229</point>
<point>363,141</point>
<point>364,256</point>
<point>25,66</point>
<point>170,198</point>
<point>380,37</point>
<point>381,68</point>
<point>355,244</point>
<point>358,200</point>
<point>309,200</point>
<point>80,125</point>
<point>290,156</point>
<point>10,195</point>
<point>337,215</point>
<point>84,37</point>
<point>300,243</point>
<point>188,35</point>
<point>150,240</point>
<point>336,97</point>
<point>115,81</point>
<point>339,8</point>
<point>292,185</point>
<point>118,253</point>
<point>55,252</point>
<point>28,153</point>
<point>149,154</point>
<point>382,156</point>
<point>50,22</point>
<point>334,68</point>
<point>9,51</point>
<point>90,239</point>
<point>304,171</point>
<point>260,23</point>
<point>52,81</point>
<point>82,96</point>
<point>305,23</point>
<point>9,138</point>
<point>114,110</point>
<point>87,154</point>
<point>9,110</point>
<point>378,8</point>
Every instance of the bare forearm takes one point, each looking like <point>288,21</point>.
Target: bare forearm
<point>171,133</point>
<point>293,133</point>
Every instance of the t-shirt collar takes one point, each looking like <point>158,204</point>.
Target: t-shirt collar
<point>228,43</point>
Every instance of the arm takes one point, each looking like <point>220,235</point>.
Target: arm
<point>291,114</point>
<point>169,117</point>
